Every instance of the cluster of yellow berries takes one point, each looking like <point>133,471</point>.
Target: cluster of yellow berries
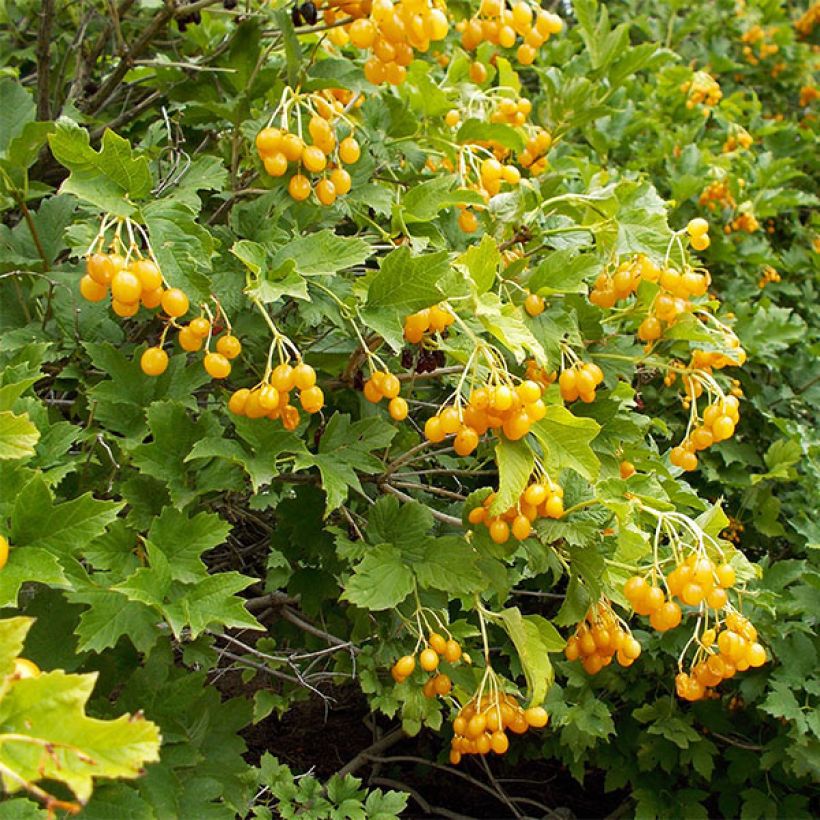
<point>757,34</point>
<point>500,406</point>
<point>672,301</point>
<point>497,24</point>
<point>810,18</point>
<point>533,157</point>
<point>808,94</point>
<point>719,422</point>
<point>737,650</point>
<point>384,385</point>
<point>392,32</point>
<point>271,397</point>
<point>702,89</point>
<point>739,138</point>
<point>580,381</point>
<point>512,111</point>
<point>435,319</point>
<point>717,195</point>
<point>154,360</point>
<point>541,499</point>
<point>281,150</point>
<point>698,231</point>
<point>438,647</point>
<point>480,725</point>
<point>769,275</point>
<point>600,637</point>
<point>623,282</point>
<point>131,280</point>
<point>744,221</point>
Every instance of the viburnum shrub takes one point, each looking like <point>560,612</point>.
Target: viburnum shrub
<point>446,353</point>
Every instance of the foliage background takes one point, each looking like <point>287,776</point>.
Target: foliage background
<point>150,542</point>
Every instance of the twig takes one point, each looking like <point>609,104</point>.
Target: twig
<point>271,599</point>
<point>289,615</point>
<point>409,485</point>
<point>381,745</point>
<point>439,516</point>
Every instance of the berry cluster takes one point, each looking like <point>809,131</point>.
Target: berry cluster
<point>739,138</point>
<point>512,111</point>
<point>131,280</point>
<point>612,286</point>
<point>737,651</point>
<point>499,405</point>
<point>698,231</point>
<point>543,498</point>
<point>744,221</point>
<point>580,381</point>
<point>385,385</point>
<point>807,22</point>
<point>435,319</point>
<point>768,275</point>
<point>539,374</point>
<point>761,37</point>
<point>534,155</point>
<point>497,24</point>
<point>601,636</point>
<point>437,647</point>
<point>392,32</point>
<point>480,725</point>
<point>282,151</point>
<point>271,397</point>
<point>719,422</point>
<point>717,195</point>
<point>702,88</point>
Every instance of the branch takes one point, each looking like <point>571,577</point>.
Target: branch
<point>381,745</point>
<point>439,516</point>
<point>289,615</point>
<point>128,55</point>
<point>43,53</point>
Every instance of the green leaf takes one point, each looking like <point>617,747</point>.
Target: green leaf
<point>526,635</point>
<point>516,461</point>
<point>380,581</point>
<point>481,263</point>
<point>506,323</point>
<point>449,564</point>
<point>25,565</point>
<point>322,252</point>
<point>17,436</point>
<point>111,179</point>
<point>474,130</point>
<point>48,711</point>
<point>566,439</point>
<point>18,110</point>
<point>563,271</point>
<point>423,202</point>
<point>182,246</point>
<point>183,539</point>
<point>13,633</point>
<point>64,529</point>
<point>344,449</point>
<point>406,283</point>
<point>212,602</point>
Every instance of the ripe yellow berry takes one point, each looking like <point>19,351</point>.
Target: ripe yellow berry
<point>397,408</point>
<point>125,287</point>
<point>697,226</point>
<point>299,187</point>
<point>229,346</point>
<point>154,361</point>
<point>349,151</point>
<point>217,366</point>
<point>175,302</point>
<point>91,290</point>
